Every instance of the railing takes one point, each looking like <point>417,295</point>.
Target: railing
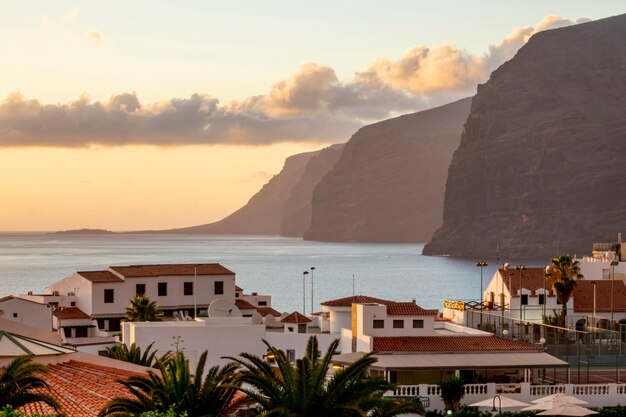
<point>595,389</point>
<point>407,391</point>
<point>545,390</point>
<point>473,389</point>
<point>508,388</point>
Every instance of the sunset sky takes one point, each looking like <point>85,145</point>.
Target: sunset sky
<point>160,114</point>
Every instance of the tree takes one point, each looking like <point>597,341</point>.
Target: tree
<point>21,383</point>
<point>304,390</point>
<point>452,392</point>
<point>175,389</point>
<point>133,354</point>
<point>143,309</point>
<point>563,273</point>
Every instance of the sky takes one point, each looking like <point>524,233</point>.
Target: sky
<point>159,114</point>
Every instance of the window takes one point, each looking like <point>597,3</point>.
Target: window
<point>418,324</point>
<point>188,288</point>
<point>81,332</point>
<point>398,324</point>
<point>73,304</point>
<point>67,331</point>
<point>379,324</point>
<point>108,296</point>
<point>524,299</point>
<point>542,299</point>
<point>218,287</point>
<point>14,315</point>
<point>115,324</point>
<point>291,355</point>
<point>140,289</point>
<point>162,289</point>
<point>262,303</point>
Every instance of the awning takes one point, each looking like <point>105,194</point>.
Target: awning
<point>430,361</point>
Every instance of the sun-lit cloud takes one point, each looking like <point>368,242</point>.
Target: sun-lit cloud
<point>94,38</point>
<point>311,105</point>
<point>70,17</point>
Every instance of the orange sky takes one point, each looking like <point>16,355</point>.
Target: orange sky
<point>132,187</point>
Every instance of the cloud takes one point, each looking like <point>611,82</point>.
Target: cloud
<point>94,38</point>
<point>310,105</point>
<point>70,17</point>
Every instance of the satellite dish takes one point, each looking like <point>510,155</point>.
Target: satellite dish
<point>223,308</point>
<point>257,318</point>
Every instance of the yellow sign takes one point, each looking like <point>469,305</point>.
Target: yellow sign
<point>454,305</point>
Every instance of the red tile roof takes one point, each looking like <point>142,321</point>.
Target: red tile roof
<point>244,305</point>
<point>267,311</point>
<point>100,276</point>
<point>144,271</point>
<point>583,296</point>
<point>64,313</point>
<point>450,344</point>
<point>408,309</point>
<point>81,388</point>
<point>12,297</point>
<point>533,279</point>
<point>297,318</point>
<point>356,299</point>
<point>238,288</point>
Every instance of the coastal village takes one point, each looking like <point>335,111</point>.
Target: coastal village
<point>507,344</point>
<point>513,153</point>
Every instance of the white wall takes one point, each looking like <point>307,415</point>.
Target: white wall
<point>227,336</point>
<point>74,283</point>
<point>27,312</point>
<point>340,317</point>
<point>298,342</point>
<point>367,313</point>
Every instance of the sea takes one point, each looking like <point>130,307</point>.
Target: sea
<point>267,265</point>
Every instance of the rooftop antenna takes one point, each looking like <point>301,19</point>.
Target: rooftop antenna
<point>353,285</point>
<point>497,254</point>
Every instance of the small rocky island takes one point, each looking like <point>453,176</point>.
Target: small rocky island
<point>83,232</point>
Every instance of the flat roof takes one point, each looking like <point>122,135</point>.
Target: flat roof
<point>435,361</point>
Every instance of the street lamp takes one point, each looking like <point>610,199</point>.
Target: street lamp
<point>481,265</point>
<point>312,269</point>
<point>520,268</point>
<point>493,410</point>
<point>304,274</point>
<point>613,263</point>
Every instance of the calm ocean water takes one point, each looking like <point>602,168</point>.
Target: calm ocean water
<point>268,265</point>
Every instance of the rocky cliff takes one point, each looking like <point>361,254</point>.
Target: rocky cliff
<point>388,184</point>
<point>541,164</point>
<point>297,209</point>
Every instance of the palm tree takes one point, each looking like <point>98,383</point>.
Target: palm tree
<point>563,273</point>
<point>303,390</point>
<point>133,354</point>
<point>452,392</point>
<point>143,309</point>
<point>175,387</point>
<point>21,383</point>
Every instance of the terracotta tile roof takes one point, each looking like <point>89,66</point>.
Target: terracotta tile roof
<point>267,311</point>
<point>408,309</point>
<point>454,344</point>
<point>144,271</point>
<point>81,388</point>
<point>583,296</point>
<point>356,299</point>
<point>100,276</point>
<point>244,305</point>
<point>238,288</point>
<point>64,313</point>
<point>533,279</point>
<point>12,297</point>
<point>297,318</point>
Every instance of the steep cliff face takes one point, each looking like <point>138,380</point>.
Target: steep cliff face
<point>263,214</point>
<point>297,211</point>
<point>541,164</point>
<point>388,184</point>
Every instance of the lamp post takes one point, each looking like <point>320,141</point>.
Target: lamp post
<point>195,291</point>
<point>593,322</point>
<point>493,410</point>
<point>312,269</point>
<point>304,274</point>
<point>520,268</point>
<point>481,265</point>
<point>613,263</point>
